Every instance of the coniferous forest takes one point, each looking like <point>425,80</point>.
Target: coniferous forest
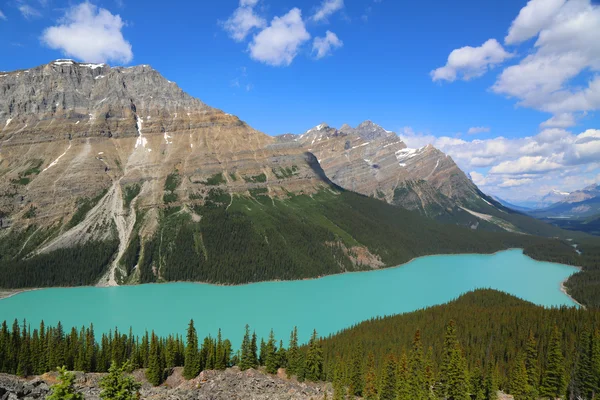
<point>483,342</point>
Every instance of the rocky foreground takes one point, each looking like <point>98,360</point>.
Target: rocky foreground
<point>213,385</point>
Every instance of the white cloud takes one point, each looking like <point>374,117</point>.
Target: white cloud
<point>566,51</point>
<point>526,165</point>
<point>478,129</point>
<point>2,16</point>
<point>90,34</point>
<point>564,120</point>
<point>29,12</point>
<point>507,183</point>
<point>324,45</point>
<point>553,158</point>
<point>471,62</point>
<point>243,20</point>
<point>278,44</point>
<point>532,18</point>
<point>327,8</point>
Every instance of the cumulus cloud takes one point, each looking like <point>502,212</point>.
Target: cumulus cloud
<point>29,12</point>
<point>471,62</point>
<point>553,158</point>
<point>327,8</point>
<point>279,43</point>
<point>90,34</point>
<point>566,50</point>
<point>243,20</point>
<point>324,45</point>
<point>564,120</point>
<point>478,129</point>
<point>532,18</point>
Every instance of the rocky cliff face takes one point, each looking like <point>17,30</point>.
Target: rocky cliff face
<point>375,162</point>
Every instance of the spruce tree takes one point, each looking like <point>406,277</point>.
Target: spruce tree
<point>119,386</point>
<point>370,390</point>
<point>339,390</point>
<point>281,355</point>
<point>532,366</point>
<point>64,389</point>
<point>220,353</point>
<point>191,365</point>
<point>553,380</point>
<point>293,355</point>
<point>477,383</point>
<point>271,357</point>
<point>519,387</point>
<point>403,389</point>
<point>154,371</point>
<point>430,374</point>
<point>356,372</point>
<point>314,359</point>
<point>416,366</point>
<point>595,361</point>
<point>387,391</point>
<point>584,382</point>
<point>246,357</point>
<point>453,375</point>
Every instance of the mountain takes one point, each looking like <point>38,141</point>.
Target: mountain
<point>511,205</point>
<point>115,175</point>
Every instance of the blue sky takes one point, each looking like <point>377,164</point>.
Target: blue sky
<point>287,65</point>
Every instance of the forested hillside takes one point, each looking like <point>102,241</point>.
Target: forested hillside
<point>467,349</point>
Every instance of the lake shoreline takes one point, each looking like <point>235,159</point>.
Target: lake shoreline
<point>8,293</point>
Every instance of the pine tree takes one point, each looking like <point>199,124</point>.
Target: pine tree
<point>271,358</point>
<point>553,380</point>
<point>281,355</point>
<point>356,372</point>
<point>293,355</point>
<point>339,391</point>
<point>220,354</point>
<point>253,352</point>
<point>531,365</point>
<point>64,389</point>
<point>519,387</point>
<point>387,391</point>
<point>191,365</point>
<point>403,389</point>
<point>477,383</point>
<point>370,390</point>
<point>246,357</point>
<point>314,359</point>
<point>491,382</point>
<point>416,366</point>
<point>595,362</point>
<point>154,371</point>
<point>453,375</point>
<point>430,374</point>
<point>584,382</point>
<point>118,386</point>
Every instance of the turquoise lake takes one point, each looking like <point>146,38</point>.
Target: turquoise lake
<point>326,304</point>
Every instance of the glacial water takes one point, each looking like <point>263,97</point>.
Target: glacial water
<point>327,304</point>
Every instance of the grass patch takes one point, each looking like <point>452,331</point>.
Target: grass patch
<point>215,180</point>
<point>256,178</point>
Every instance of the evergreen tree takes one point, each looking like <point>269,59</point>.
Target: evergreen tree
<point>403,389</point>
<point>294,357</point>
<point>531,365</point>
<point>453,375</point>
<point>339,391</point>
<point>118,386</point>
<point>584,382</point>
<point>191,365</point>
<point>370,390</point>
<point>553,380</point>
<point>64,389</point>
<point>595,362</point>
<point>220,363</point>
<point>314,359</point>
<point>430,374</point>
<point>246,361</point>
<point>271,357</point>
<point>281,355</point>
<point>154,371</point>
<point>491,382</point>
<point>253,352</point>
<point>387,391</point>
<point>356,372</point>
<point>477,383</point>
<point>24,365</point>
<point>416,366</point>
<point>519,387</point>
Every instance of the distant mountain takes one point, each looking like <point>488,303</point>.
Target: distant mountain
<point>580,209</point>
<point>511,205</point>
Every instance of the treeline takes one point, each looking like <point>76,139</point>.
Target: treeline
<point>257,238</point>
<point>73,266</point>
<point>492,342</point>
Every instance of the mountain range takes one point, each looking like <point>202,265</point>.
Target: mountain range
<point>115,175</point>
